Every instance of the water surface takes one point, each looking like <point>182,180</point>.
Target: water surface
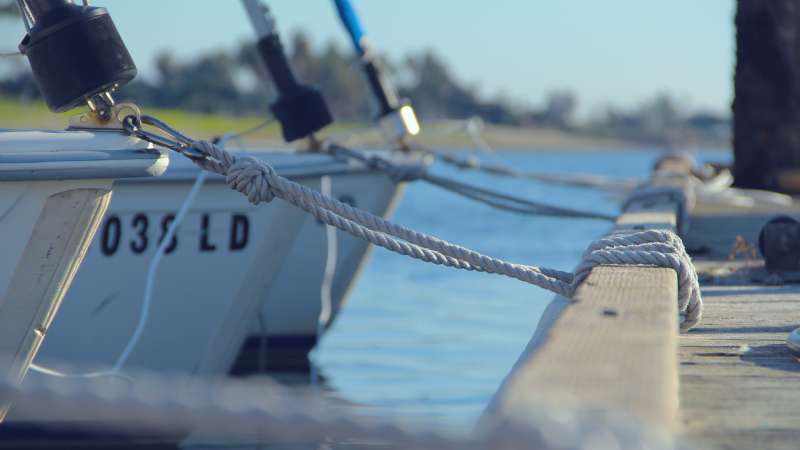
<point>433,343</point>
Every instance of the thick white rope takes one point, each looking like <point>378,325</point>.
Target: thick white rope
<point>259,183</point>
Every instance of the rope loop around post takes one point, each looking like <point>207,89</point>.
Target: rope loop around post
<point>650,248</point>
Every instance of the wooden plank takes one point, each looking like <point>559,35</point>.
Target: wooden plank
<point>615,347</point>
<point>738,382</point>
<point>607,351</point>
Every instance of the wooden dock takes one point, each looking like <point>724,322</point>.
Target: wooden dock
<point>729,383</point>
<point>738,382</point>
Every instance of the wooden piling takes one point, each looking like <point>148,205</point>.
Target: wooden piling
<point>766,107</point>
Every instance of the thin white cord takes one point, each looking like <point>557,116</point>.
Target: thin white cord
<point>152,270</point>
<point>144,315</point>
<point>326,288</point>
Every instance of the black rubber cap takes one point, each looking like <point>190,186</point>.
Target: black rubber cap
<point>76,52</point>
<point>301,112</point>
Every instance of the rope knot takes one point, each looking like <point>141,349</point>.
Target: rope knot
<point>252,178</point>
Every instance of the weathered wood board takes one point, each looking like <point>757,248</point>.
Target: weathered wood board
<point>740,387</point>
<point>614,348</point>
<point>606,352</point>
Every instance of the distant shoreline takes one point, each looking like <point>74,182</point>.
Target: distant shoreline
<point>530,139</point>
<point>440,135</point>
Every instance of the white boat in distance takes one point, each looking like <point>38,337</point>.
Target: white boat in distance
<point>54,189</point>
<point>230,263</point>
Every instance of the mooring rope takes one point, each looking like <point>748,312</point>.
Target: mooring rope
<point>260,183</point>
<point>473,128</point>
<point>489,197</point>
<point>573,180</point>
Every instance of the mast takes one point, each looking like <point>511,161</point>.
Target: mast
<point>396,117</point>
<point>299,108</point>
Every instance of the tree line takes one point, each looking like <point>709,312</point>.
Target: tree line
<point>235,82</point>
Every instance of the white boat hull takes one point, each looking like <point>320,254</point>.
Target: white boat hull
<point>208,284</point>
<point>230,258</point>
<point>54,190</point>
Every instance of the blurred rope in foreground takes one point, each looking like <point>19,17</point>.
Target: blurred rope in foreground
<point>261,410</point>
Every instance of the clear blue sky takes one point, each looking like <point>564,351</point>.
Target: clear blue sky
<point>610,51</point>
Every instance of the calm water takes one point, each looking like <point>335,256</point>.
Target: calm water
<point>433,343</point>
